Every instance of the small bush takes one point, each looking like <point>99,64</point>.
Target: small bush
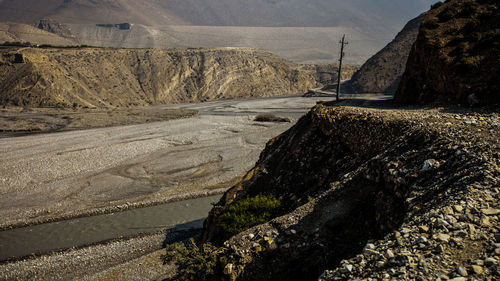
<point>266,117</point>
<point>193,262</point>
<point>247,213</point>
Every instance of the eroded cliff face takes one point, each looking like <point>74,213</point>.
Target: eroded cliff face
<point>370,194</point>
<point>139,77</point>
<point>382,72</point>
<point>456,57</point>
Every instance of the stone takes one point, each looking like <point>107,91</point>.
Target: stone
<point>490,261</point>
<point>251,236</point>
<point>458,208</point>
<point>461,271</point>
<point>485,221</point>
<point>369,246</point>
<point>429,164</point>
<point>477,269</point>
<point>441,237</point>
<point>349,267</point>
<point>389,254</point>
<point>490,211</point>
<point>423,228</point>
<point>422,240</point>
<point>228,269</point>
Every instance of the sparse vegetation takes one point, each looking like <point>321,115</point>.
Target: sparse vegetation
<point>248,212</point>
<point>196,263</point>
<point>44,46</point>
<point>266,117</point>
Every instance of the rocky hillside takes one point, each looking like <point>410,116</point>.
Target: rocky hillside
<point>351,193</point>
<point>456,57</point>
<point>92,77</point>
<point>17,32</point>
<point>382,72</point>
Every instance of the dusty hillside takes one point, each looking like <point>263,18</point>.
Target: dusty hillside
<point>301,31</point>
<point>382,72</point>
<point>315,13</point>
<point>148,12</point>
<point>456,57</point>
<point>125,77</point>
<point>411,195</point>
<point>18,32</point>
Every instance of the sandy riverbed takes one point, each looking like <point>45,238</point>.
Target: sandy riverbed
<point>82,172</point>
<point>46,177</point>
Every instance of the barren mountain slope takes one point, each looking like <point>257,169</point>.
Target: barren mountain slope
<point>148,12</point>
<point>456,57</point>
<point>18,32</point>
<point>301,31</point>
<point>125,77</point>
<point>366,13</point>
<point>382,72</point>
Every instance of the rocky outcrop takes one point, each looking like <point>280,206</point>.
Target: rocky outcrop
<point>55,27</point>
<point>456,58</point>
<point>95,77</point>
<point>371,194</point>
<point>382,72</point>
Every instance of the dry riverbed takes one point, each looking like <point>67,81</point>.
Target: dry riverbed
<point>16,121</point>
<point>62,175</point>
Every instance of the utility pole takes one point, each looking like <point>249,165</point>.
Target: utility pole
<point>343,43</point>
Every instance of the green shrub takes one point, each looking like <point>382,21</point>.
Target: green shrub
<point>247,213</point>
<point>193,262</point>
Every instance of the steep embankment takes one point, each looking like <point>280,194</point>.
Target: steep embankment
<point>456,57</point>
<point>369,194</point>
<point>382,72</point>
<point>125,77</point>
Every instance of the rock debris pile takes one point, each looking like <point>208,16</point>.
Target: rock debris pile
<point>373,195</point>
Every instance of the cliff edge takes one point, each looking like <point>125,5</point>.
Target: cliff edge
<point>367,193</point>
<point>456,58</point>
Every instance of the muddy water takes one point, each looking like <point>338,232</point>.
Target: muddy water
<point>77,232</point>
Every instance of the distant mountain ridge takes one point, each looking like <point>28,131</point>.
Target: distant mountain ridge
<point>305,32</point>
<point>272,13</point>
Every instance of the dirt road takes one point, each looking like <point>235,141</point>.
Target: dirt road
<point>57,176</point>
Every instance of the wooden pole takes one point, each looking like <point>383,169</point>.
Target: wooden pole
<point>343,43</point>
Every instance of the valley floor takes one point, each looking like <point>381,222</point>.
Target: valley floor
<point>152,162</point>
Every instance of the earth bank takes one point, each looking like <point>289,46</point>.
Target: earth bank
<point>365,193</point>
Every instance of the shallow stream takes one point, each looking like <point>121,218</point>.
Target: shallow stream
<point>49,237</point>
